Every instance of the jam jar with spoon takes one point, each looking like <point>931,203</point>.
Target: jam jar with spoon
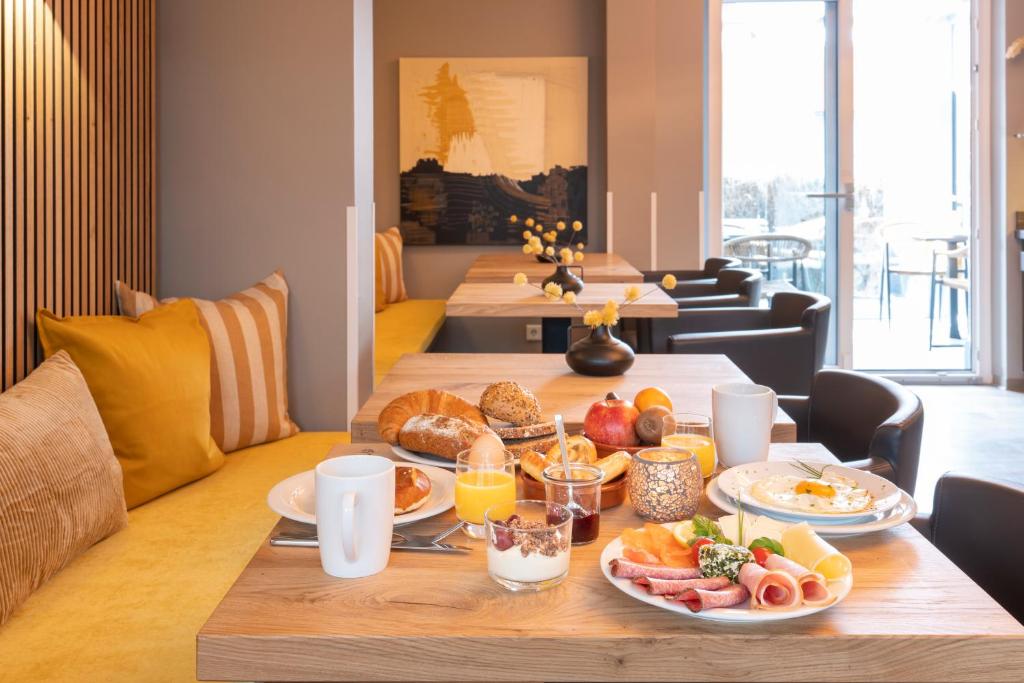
<point>580,492</point>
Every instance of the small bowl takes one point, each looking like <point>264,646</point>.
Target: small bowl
<point>604,450</point>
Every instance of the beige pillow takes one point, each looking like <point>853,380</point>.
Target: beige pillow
<point>390,278</point>
<point>60,484</point>
<point>248,368</point>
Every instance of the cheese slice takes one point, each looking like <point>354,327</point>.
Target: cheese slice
<point>805,547</point>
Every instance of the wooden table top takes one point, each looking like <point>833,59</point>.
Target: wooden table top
<point>597,267</point>
<point>687,379</point>
<point>507,300</point>
<point>912,615</point>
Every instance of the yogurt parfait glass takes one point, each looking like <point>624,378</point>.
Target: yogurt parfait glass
<point>528,546</point>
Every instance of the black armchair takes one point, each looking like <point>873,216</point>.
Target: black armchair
<point>780,347</point>
<point>868,422</point>
<point>733,287</point>
<point>969,523</point>
<point>707,274</point>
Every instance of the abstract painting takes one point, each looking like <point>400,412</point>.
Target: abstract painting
<point>485,139</point>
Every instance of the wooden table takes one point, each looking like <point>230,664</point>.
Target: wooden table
<point>687,379</point>
<point>597,267</point>
<point>912,615</point>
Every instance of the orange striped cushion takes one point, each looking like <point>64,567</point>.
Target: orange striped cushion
<point>60,484</point>
<point>249,380</point>
<point>388,268</point>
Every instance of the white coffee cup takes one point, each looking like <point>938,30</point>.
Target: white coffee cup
<point>743,415</point>
<point>355,514</point>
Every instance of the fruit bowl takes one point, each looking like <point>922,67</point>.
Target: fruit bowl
<point>604,450</point>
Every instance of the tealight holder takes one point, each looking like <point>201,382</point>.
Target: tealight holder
<point>665,484</point>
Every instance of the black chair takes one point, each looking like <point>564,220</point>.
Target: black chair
<point>733,287</point>
<point>868,422</point>
<point>971,523</point>
<point>780,347</point>
<point>707,274</point>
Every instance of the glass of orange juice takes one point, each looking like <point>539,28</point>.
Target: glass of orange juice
<point>693,432</point>
<point>483,480</point>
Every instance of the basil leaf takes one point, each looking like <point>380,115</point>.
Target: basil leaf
<point>770,543</point>
<point>709,528</point>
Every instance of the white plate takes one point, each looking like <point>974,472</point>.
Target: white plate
<point>739,479</point>
<point>902,513</point>
<point>295,497</point>
<point>741,612</point>
<point>425,458</point>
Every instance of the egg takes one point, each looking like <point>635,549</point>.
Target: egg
<point>487,451</point>
<point>831,494</point>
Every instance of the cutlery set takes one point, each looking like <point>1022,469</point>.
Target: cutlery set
<point>399,541</point>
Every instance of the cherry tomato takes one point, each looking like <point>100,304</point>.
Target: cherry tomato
<point>695,547</point>
<point>761,555</point>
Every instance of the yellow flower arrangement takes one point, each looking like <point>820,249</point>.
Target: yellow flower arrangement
<point>560,253</point>
<point>611,313</point>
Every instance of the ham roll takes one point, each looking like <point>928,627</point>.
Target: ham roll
<point>627,569</point>
<point>813,587</point>
<point>770,589</point>
<point>698,599</point>
<point>676,586</point>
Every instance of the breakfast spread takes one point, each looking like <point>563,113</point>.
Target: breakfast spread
<point>695,564</point>
<point>509,401</point>
<point>412,488</point>
<point>430,401</point>
<point>830,493</point>
<point>440,435</point>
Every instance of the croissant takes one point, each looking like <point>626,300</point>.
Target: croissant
<point>433,401</point>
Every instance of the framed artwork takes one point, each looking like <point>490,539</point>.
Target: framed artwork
<point>481,140</point>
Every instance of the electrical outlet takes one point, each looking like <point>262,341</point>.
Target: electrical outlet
<point>533,333</point>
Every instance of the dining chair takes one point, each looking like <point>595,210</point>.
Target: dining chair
<point>866,421</point>
<point>770,249</point>
<point>733,288</point>
<point>781,346</point>
<point>969,523</point>
<point>706,275</point>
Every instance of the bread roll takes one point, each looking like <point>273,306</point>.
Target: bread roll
<point>581,449</point>
<point>534,464</point>
<point>439,435</point>
<point>510,401</point>
<point>527,431</point>
<point>432,401</point>
<point>614,464</point>
<point>541,443</point>
<point>412,488</point>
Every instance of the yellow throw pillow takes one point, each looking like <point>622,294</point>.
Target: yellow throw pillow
<point>60,484</point>
<point>388,267</point>
<point>150,378</point>
<point>248,370</point>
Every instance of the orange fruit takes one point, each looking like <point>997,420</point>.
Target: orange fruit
<point>652,396</point>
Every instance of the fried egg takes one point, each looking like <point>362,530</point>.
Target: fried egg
<point>833,493</point>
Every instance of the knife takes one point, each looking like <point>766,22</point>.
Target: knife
<point>312,542</point>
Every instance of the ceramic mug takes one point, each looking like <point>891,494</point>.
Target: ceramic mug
<point>743,415</point>
<point>355,514</point>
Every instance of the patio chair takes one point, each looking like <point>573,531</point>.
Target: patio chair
<point>770,249</point>
<point>868,422</point>
<point>955,278</point>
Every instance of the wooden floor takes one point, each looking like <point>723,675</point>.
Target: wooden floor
<point>976,430</point>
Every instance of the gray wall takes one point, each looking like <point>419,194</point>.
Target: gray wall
<point>479,28</point>
<point>256,157</point>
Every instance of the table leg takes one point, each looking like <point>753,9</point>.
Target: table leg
<point>954,299</point>
<point>555,335</point>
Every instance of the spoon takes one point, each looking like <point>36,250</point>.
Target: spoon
<point>560,430</point>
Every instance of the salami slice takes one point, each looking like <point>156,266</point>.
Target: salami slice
<point>770,589</point>
<point>813,587</point>
<point>627,569</point>
<point>698,599</point>
<point>675,586</point>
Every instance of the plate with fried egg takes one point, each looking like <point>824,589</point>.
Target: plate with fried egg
<point>814,491</point>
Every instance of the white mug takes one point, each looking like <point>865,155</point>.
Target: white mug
<point>355,514</point>
<point>743,415</point>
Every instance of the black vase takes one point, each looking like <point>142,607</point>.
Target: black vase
<point>600,354</point>
<point>566,279</point>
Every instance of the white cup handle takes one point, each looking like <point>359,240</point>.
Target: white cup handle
<point>775,411</point>
<point>348,525</point>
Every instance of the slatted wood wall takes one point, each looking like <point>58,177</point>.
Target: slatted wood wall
<point>78,201</point>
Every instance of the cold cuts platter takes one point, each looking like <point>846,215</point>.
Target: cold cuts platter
<point>728,583</point>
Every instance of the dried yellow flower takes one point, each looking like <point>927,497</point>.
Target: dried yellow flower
<point>549,237</point>
<point>593,318</point>
<point>527,235</point>
<point>537,249</point>
<point>577,226</point>
<point>534,240</point>
<point>560,225</point>
<point>632,293</point>
<point>565,250</point>
<point>519,279</point>
<point>539,227</point>
<point>550,251</point>
<point>581,246</point>
<point>529,222</point>
<point>669,281</point>
<point>578,256</point>
<point>610,318</point>
<point>569,297</point>
<point>513,218</point>
<point>553,290</point>
<point>527,249</point>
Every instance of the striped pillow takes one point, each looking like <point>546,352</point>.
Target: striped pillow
<point>249,379</point>
<point>388,268</point>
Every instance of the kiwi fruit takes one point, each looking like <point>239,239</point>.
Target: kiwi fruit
<point>650,424</point>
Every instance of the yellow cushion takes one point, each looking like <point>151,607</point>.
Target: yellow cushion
<point>405,327</point>
<point>129,609</point>
<point>388,264</point>
<point>150,378</point>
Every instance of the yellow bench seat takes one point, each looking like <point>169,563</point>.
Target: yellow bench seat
<point>406,327</point>
<point>129,609</point>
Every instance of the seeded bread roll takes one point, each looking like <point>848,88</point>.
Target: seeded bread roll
<point>439,434</point>
<point>526,432</point>
<point>510,401</point>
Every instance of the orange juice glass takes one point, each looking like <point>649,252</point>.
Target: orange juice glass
<point>693,432</point>
<point>481,484</point>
